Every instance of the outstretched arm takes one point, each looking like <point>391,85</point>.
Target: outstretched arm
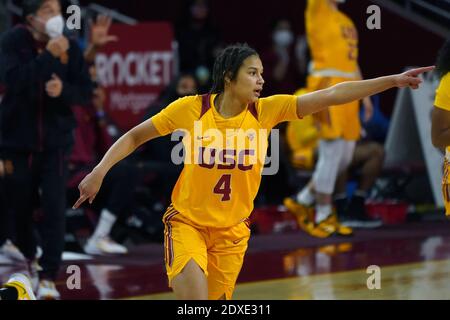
<point>129,142</point>
<point>355,90</point>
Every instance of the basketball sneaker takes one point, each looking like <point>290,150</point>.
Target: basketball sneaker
<point>47,291</point>
<point>341,230</point>
<point>104,245</point>
<point>303,214</point>
<point>305,218</point>
<point>22,284</point>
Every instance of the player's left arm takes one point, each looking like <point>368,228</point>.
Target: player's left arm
<point>349,91</point>
<point>440,127</point>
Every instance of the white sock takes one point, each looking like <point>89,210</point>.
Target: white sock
<point>105,223</point>
<point>305,196</point>
<point>322,212</point>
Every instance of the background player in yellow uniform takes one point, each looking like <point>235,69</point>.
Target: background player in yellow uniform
<point>333,41</point>
<point>207,231</point>
<point>440,124</point>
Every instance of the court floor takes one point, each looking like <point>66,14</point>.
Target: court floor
<point>413,260</point>
<point>423,280</point>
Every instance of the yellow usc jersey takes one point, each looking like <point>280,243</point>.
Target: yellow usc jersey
<point>442,99</point>
<point>224,158</point>
<point>332,37</point>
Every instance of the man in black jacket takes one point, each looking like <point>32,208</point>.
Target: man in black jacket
<point>44,74</point>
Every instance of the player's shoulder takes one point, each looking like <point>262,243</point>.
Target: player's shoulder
<point>191,101</point>
<point>276,98</point>
<point>187,107</point>
<point>445,80</point>
<point>442,93</point>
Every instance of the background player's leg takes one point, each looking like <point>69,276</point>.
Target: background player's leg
<point>325,174</point>
<point>370,156</point>
<point>191,283</point>
<point>340,189</point>
<point>114,200</point>
<point>306,196</point>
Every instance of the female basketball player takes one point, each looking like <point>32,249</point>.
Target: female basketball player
<point>440,123</point>
<point>206,226</point>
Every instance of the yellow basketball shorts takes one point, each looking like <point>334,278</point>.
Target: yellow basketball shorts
<point>446,186</point>
<point>340,121</point>
<point>218,251</point>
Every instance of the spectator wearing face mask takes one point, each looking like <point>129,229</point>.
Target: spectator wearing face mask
<point>44,74</point>
<point>285,60</point>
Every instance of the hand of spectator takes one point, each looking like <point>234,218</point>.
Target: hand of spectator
<point>58,46</point>
<point>411,78</point>
<point>89,188</point>
<point>54,86</point>
<point>99,31</point>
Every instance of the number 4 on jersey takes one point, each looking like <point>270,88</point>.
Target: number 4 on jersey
<point>223,187</point>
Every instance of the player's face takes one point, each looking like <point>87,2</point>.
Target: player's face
<point>249,81</point>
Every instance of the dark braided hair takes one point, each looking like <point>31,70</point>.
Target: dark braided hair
<point>443,60</point>
<point>228,63</point>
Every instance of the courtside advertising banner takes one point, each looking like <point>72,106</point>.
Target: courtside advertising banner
<point>135,69</point>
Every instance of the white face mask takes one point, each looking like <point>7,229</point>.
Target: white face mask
<point>283,38</point>
<point>54,26</point>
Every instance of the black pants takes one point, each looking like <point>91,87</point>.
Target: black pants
<point>117,191</point>
<point>42,174</point>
